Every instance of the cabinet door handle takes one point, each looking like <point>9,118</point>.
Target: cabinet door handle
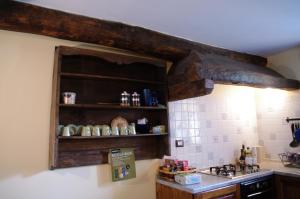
<point>258,193</point>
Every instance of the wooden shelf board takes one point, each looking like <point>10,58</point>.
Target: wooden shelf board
<point>112,106</point>
<point>105,137</point>
<point>89,76</point>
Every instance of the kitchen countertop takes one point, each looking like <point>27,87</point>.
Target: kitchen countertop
<point>209,182</point>
<point>279,169</point>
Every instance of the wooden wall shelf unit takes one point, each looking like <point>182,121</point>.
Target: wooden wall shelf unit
<point>98,78</point>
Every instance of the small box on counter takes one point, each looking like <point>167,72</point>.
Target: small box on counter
<point>187,179</point>
<point>171,167</point>
<point>184,164</point>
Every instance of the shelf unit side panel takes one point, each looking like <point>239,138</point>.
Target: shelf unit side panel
<point>54,117</point>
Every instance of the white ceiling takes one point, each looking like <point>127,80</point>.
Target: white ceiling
<point>262,27</point>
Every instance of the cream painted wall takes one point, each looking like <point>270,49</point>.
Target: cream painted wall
<point>287,63</point>
<point>26,64</point>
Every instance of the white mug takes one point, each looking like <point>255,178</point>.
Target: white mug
<point>96,131</point>
<point>131,129</point>
<point>69,130</point>
<point>66,131</point>
<point>115,131</point>
<point>106,130</point>
<point>69,97</point>
<point>86,131</point>
<point>123,130</point>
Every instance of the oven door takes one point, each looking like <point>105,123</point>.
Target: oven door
<point>261,188</point>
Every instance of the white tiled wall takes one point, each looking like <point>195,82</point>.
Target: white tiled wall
<point>214,127</point>
<point>273,106</point>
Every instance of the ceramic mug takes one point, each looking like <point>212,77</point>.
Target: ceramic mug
<point>124,130</point>
<point>106,130</point>
<point>69,97</point>
<point>66,131</point>
<point>96,131</point>
<point>131,129</point>
<point>69,130</point>
<point>115,131</point>
<point>159,129</point>
<point>86,131</point>
<point>78,129</point>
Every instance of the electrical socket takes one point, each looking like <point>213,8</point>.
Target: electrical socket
<point>179,143</point>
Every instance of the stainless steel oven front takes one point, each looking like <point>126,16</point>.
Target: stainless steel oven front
<point>260,188</point>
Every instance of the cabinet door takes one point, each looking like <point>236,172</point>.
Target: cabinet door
<point>165,192</point>
<point>287,187</point>
<point>230,192</point>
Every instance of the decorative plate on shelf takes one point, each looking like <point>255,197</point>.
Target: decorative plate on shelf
<point>119,122</point>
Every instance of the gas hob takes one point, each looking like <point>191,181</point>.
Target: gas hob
<point>232,171</point>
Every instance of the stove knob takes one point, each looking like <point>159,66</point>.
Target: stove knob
<point>257,185</point>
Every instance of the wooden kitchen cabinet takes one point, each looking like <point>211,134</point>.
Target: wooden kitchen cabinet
<point>287,187</point>
<point>229,192</point>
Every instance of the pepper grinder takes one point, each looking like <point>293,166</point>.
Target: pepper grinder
<point>135,97</point>
<point>125,99</point>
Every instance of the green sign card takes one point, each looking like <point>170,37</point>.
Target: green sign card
<point>122,164</point>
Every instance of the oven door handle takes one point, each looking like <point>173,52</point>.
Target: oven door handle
<point>258,193</point>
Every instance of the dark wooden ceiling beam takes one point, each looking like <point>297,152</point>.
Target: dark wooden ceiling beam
<point>189,89</point>
<point>219,69</point>
<point>21,17</point>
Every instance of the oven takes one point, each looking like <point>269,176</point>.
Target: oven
<point>259,188</point>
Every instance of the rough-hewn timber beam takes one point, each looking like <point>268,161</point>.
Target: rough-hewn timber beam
<point>219,69</point>
<point>21,17</point>
<point>189,89</point>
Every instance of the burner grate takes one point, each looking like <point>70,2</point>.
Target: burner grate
<point>225,170</point>
<point>232,171</point>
